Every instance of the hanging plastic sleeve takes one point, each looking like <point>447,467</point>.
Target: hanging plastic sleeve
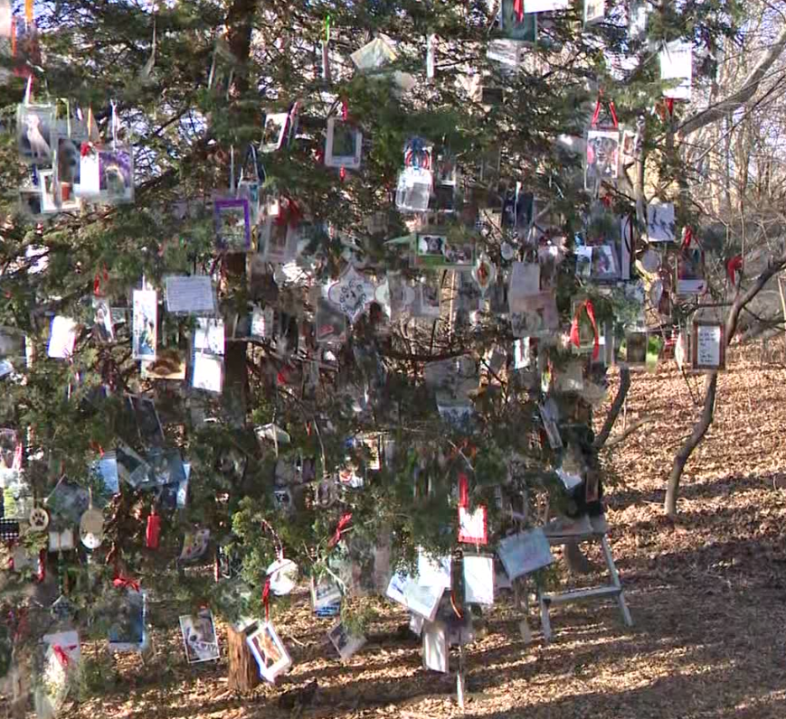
<point>574,327</point>
<point>612,112</point>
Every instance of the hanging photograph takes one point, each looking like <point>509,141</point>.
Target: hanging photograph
<point>660,222</point>
<point>690,272</point>
<point>127,629</point>
<point>199,637</point>
<point>145,328</point>
<point>34,125</point>
<point>269,651</point>
<point>534,6</point>
<point>344,144</point>
<point>345,643</point>
<point>331,324</point>
<point>478,580</point>
<point>676,69</point>
<point>634,349</point>
<point>232,219</point>
<point>473,526</point>
<point>517,27</point>
<point>278,241</point>
<point>116,175</point>
<point>525,552</point>
<point>708,345</point>
<point>31,202</point>
<point>602,158</point>
<point>594,11</point>
<point>276,126</point>
<point>49,200</point>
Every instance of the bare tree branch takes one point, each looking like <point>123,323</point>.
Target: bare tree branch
<point>738,99</point>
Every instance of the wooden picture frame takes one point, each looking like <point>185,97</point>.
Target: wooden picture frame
<point>704,335</point>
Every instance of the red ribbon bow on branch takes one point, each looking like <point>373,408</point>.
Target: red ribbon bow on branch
<point>518,8</point>
<point>266,599</point>
<point>343,523</point>
<point>121,581</point>
<point>574,327</point>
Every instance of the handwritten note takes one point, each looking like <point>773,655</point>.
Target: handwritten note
<point>190,295</point>
<point>708,345</point>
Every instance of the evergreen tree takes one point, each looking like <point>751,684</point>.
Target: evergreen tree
<point>250,102</point>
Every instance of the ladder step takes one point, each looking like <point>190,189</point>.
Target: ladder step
<point>574,595</point>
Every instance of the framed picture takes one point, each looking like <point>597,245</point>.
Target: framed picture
<point>634,352</point>
<point>690,272</point>
<point>232,218</point>
<point>278,243</point>
<point>708,345</point>
<point>660,222</point>
<point>269,651</point>
<point>478,579</point>
<point>34,124</point>
<point>344,144</point>
<point>602,157</point>
<point>145,327</point>
<point>49,194</point>
<point>127,631</point>
<point>199,637</point>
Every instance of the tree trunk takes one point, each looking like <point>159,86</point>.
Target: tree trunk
<point>615,409</point>
<point>243,674</point>
<point>684,453</point>
<point>243,671</point>
<point>742,300</point>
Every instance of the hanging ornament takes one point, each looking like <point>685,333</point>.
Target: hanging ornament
<point>38,519</point>
<point>282,575</point>
<point>91,528</point>
<point>507,251</point>
<point>352,293</point>
<point>484,273</point>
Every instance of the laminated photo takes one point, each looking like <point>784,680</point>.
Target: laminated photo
<point>428,295</point>
<point>34,125</point>
<point>473,526</point>
<point>708,345</point>
<point>209,336</point>
<point>62,337</point>
<point>676,69</point>
<point>344,144</point>
<point>594,11</point>
<point>145,325</point>
<point>199,637</point>
<point>690,272</point>
<point>131,468</point>
<point>169,364</point>
<point>31,201</point>
<point>413,190</point>
<point>524,30</point>
<point>208,372</point>
<point>345,643</point>
<point>325,592</point>
<point>331,325</point>
<point>478,580</point>
<point>269,651</point>
<point>602,157</point>
<point>435,646</point>
<point>232,218</point>
<point>278,240</point>
<point>423,599</point>
<point>116,175</point>
<point>49,198</point>
<point>189,295</point>
<point>102,320</point>
<point>525,552</point>
<point>660,222</point>
<point>127,630</point>
<point>533,6</point>
<point>275,134</point>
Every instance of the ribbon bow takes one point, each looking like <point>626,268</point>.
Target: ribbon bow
<point>343,523</point>
<point>121,581</point>
<point>518,9</point>
<point>574,327</point>
<point>612,112</point>
<point>733,266</point>
<point>687,238</point>
<point>62,655</point>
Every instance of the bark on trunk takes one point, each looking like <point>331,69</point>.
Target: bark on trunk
<point>243,671</point>
<point>615,409</point>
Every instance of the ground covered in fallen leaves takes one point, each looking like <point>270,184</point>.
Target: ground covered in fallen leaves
<point>707,595</point>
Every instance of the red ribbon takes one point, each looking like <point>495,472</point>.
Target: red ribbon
<point>518,8</point>
<point>121,581</point>
<point>463,491</point>
<point>687,238</point>
<point>266,599</point>
<point>97,282</point>
<point>61,655</point>
<point>574,327</point>
<point>733,266</point>
<point>153,531</point>
<point>342,173</point>
<point>612,111</point>
<point>86,149</point>
<point>344,110</point>
<point>290,213</point>
<point>670,105</point>
<point>343,523</point>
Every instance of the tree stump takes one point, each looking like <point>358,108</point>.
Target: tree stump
<point>243,670</point>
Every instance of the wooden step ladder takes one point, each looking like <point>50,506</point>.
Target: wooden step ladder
<point>574,595</point>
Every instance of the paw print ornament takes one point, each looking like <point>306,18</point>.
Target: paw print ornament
<point>38,519</point>
<point>352,293</point>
